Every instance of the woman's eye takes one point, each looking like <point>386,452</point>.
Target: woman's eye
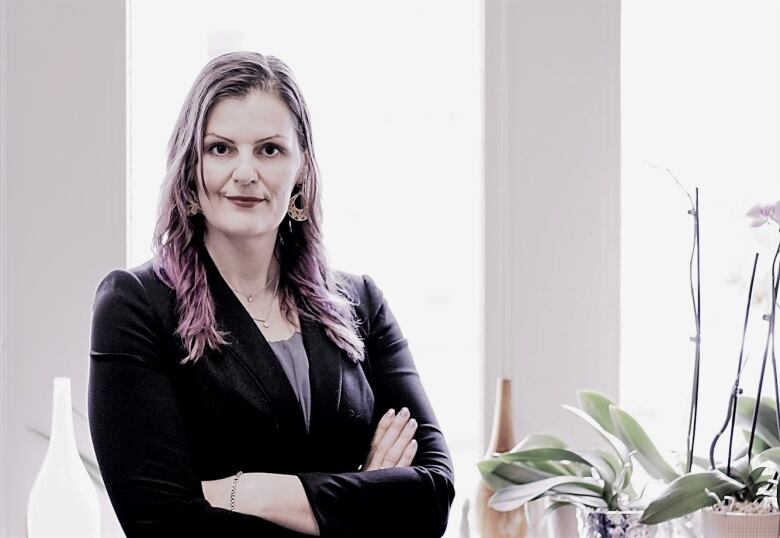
<point>220,147</point>
<point>272,147</point>
<point>220,150</point>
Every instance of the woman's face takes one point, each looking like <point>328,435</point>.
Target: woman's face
<point>250,150</point>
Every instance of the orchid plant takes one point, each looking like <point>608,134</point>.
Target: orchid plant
<point>750,484</point>
<point>544,466</point>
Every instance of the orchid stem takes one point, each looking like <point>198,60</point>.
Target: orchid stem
<point>769,340</point>
<point>696,299</point>
<point>735,390</point>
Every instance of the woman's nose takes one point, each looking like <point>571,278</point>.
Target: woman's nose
<point>245,171</point>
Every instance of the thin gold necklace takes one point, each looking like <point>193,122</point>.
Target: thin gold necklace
<point>250,297</point>
<point>264,321</point>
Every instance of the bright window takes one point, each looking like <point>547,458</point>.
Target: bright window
<point>395,97</point>
<point>699,91</point>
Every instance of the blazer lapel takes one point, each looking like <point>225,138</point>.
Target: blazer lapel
<point>325,361</point>
<point>248,345</point>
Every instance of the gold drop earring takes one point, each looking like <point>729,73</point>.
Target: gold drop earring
<point>298,214</point>
<point>192,209</point>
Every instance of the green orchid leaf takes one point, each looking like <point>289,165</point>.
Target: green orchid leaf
<point>593,490</point>
<point>759,443</point>
<point>687,494</point>
<point>592,459</point>
<point>771,455</point>
<point>755,475</point>
<point>740,469</point>
<point>615,466</point>
<point>635,438</point>
<point>602,465</point>
<point>513,497</point>
<point>543,454</point>
<point>555,468</point>
<point>624,478</point>
<point>539,440</point>
<point>596,404</point>
<point>766,427</point>
<point>571,468</point>
<point>620,449</point>
<point>742,452</point>
<point>702,463</point>
<point>498,475</point>
<point>582,500</point>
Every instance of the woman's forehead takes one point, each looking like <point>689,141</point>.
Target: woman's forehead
<point>254,116</point>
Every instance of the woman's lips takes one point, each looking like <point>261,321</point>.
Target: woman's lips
<point>242,201</point>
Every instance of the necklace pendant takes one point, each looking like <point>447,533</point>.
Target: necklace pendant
<point>249,298</point>
<point>266,324</point>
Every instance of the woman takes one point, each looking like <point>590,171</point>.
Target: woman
<point>239,386</point>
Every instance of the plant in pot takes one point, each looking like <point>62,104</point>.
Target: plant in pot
<point>738,500</point>
<point>598,482</point>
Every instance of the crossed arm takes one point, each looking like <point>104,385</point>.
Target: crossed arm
<point>282,500</point>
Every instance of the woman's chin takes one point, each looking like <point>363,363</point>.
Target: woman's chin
<point>251,232</point>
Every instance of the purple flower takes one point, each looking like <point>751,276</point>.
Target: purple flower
<point>760,214</point>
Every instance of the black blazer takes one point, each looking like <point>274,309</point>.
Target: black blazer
<point>160,428</point>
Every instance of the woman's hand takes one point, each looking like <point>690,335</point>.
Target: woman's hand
<point>217,492</point>
<point>393,445</point>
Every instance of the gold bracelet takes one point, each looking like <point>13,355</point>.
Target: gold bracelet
<point>233,491</point>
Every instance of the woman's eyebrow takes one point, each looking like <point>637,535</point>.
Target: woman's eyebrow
<point>256,141</point>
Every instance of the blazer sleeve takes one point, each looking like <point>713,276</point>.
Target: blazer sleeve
<point>402,501</point>
<point>137,426</point>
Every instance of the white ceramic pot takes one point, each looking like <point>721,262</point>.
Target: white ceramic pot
<point>614,524</point>
<point>736,525</point>
<point>63,501</point>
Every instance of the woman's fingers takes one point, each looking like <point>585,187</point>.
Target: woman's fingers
<point>382,427</point>
<point>392,442</point>
<point>389,437</point>
<point>393,455</point>
<point>408,455</point>
<point>381,430</point>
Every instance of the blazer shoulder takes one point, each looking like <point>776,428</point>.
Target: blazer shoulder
<point>362,291</point>
<point>138,288</point>
<point>141,279</point>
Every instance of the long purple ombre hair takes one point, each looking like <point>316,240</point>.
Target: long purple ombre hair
<point>306,279</point>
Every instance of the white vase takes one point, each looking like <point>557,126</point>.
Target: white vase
<point>63,501</point>
<point>737,525</point>
<point>563,523</point>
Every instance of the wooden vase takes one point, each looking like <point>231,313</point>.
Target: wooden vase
<point>492,523</point>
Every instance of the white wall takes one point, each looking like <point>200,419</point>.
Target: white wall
<point>63,213</point>
<point>552,154</point>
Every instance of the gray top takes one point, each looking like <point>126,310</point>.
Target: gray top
<point>292,355</point>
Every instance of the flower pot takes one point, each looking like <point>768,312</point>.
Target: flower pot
<point>614,524</point>
<point>739,525</point>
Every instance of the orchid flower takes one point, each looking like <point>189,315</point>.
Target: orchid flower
<point>760,214</point>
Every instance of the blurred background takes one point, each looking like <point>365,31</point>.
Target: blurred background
<point>496,165</point>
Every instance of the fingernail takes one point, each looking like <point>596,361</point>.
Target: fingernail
<point>390,413</point>
<point>405,412</point>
